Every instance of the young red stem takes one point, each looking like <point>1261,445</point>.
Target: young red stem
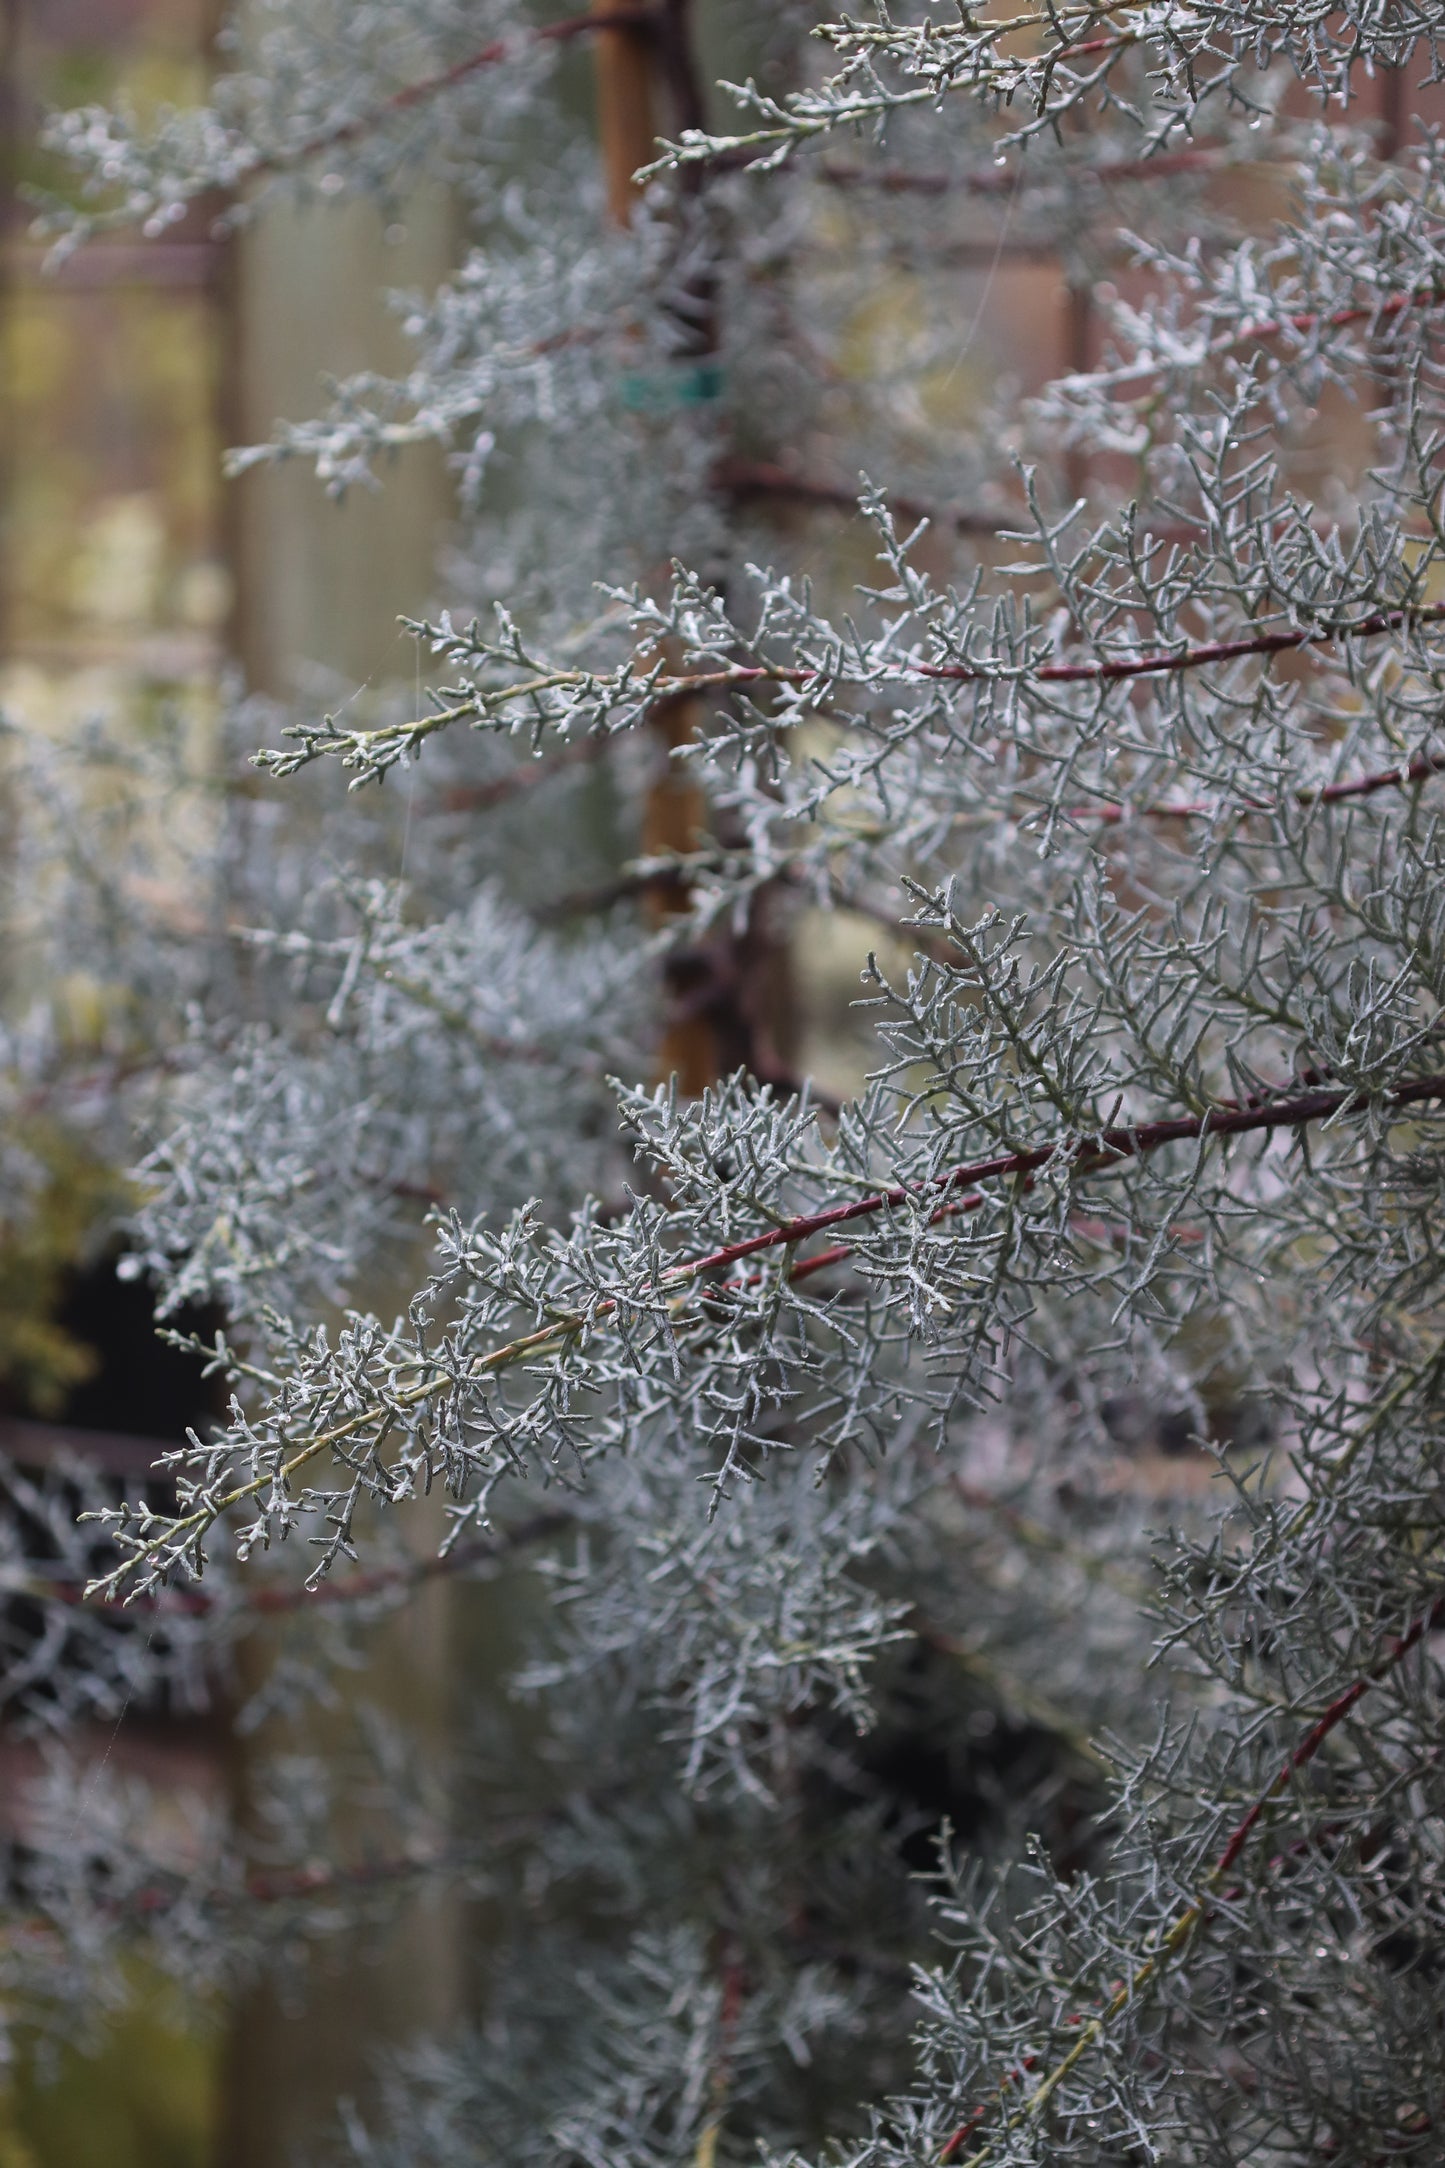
<point>1087,1155</point>
<point>1333,1717</point>
<point>1360,786</point>
<point>1274,327</point>
<point>1195,1913</point>
<point>1106,671</point>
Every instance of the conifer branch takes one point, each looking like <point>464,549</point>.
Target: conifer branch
<point>641,15</point>
<point>1181,1931</point>
<point>676,1282</point>
<point>643,684</point>
<point>1262,330</point>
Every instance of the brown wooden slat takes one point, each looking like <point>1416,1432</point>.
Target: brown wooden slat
<point>49,1445</point>
<point>183,265</point>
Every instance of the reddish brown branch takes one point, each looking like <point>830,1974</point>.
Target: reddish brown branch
<point>1365,786</point>
<point>745,478</point>
<point>318,1880</point>
<point>1215,651</point>
<point>1087,1155</point>
<point>491,55</point>
<point>1317,1734</point>
<point>1005,181</point>
<point>1418,770</point>
<point>1185,1925</point>
<point>1108,671</point>
<point>1275,327</point>
<point>1093,1153</point>
<point>501,789</point>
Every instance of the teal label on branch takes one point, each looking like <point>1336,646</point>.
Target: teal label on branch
<point>663,391</point>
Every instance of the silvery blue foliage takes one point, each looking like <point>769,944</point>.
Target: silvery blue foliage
<point>1131,758</point>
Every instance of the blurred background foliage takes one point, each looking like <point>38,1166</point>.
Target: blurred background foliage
<point>147,2098</point>
<point>49,1227</point>
<point>136,588</point>
<point>117,600</point>
<point>113,589</point>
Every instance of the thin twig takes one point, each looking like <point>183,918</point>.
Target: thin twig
<point>744,478</point>
<point>501,789</point>
<point>1006,181</point>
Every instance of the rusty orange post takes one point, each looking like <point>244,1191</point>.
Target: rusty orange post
<point>674,815</point>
